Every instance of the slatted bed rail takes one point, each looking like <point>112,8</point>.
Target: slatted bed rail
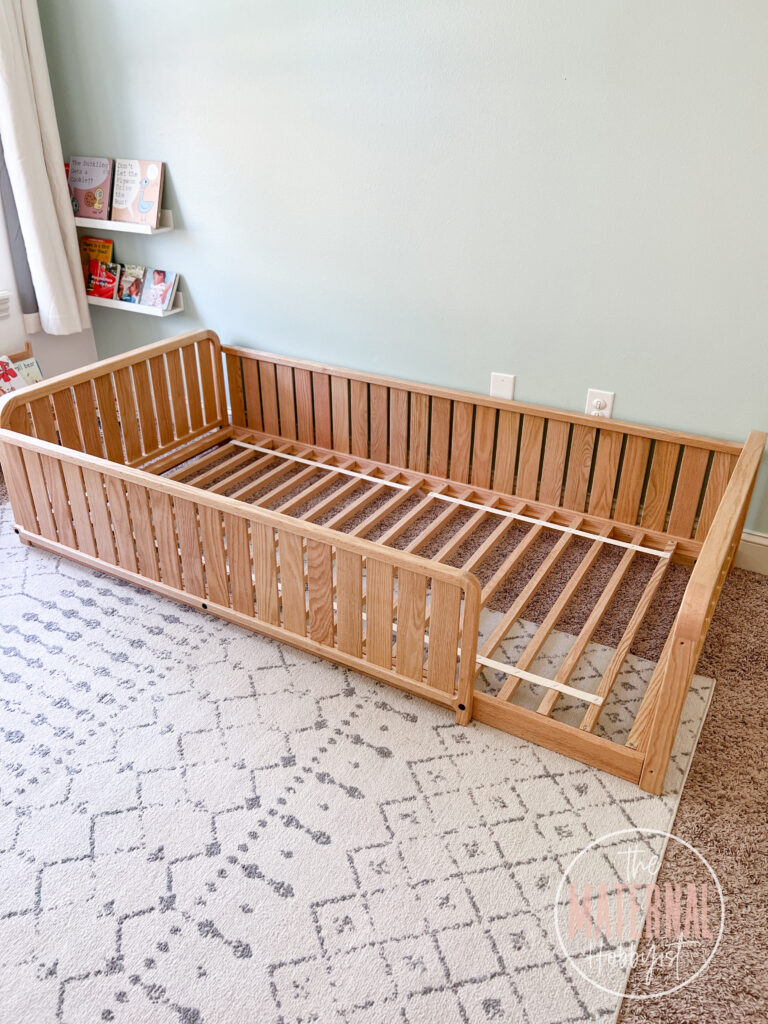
<point>371,521</point>
<point>652,478</point>
<point>130,409</point>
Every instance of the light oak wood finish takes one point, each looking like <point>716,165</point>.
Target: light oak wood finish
<point>115,466</point>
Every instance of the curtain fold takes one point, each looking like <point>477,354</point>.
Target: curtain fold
<point>35,167</point>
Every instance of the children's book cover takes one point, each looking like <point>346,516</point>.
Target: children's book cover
<point>90,184</point>
<point>138,191</point>
<point>10,378</point>
<point>103,279</point>
<point>29,370</point>
<point>131,282</point>
<point>159,288</point>
<point>94,249</point>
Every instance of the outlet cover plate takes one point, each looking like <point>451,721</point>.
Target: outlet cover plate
<point>600,403</point>
<point>503,385</point>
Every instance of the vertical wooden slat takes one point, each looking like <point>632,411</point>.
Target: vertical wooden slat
<point>209,379</point>
<point>340,406</point>
<point>417,446</point>
<point>97,503</point>
<point>167,544</point>
<point>398,427</point>
<point>40,499</point>
<point>632,478</point>
<point>18,487</point>
<point>659,488</point>
<point>378,606</point>
<point>579,466</point>
<point>105,397</point>
<point>530,456</point>
<point>719,475</point>
<point>42,419</point>
<point>57,492</point>
<point>461,441</point>
<point>265,564</point>
<point>214,556</point>
<point>142,528</point>
<point>359,402</point>
<point>604,477</point>
<point>252,394</point>
<point>440,436</point>
<point>286,401</point>
<point>378,399</point>
<point>443,635</point>
<point>188,532</point>
<point>349,601</point>
<point>235,387</point>
<point>143,393</point>
<point>240,568</point>
<point>162,401</point>
<point>553,466</point>
<point>192,386</point>
<point>177,391</point>
<point>66,420</point>
<point>126,404</point>
<point>482,447</point>
<point>693,469</point>
<point>321,390</point>
<point>320,586</point>
<point>506,451</point>
<point>306,420</point>
<point>411,617</point>
<point>121,523</point>
<point>293,582</point>
<point>269,407</point>
<point>87,418</point>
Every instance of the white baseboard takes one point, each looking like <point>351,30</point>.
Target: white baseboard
<point>753,552</point>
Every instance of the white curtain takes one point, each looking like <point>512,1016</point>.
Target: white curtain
<point>36,170</point>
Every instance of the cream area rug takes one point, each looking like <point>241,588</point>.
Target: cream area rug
<point>199,825</point>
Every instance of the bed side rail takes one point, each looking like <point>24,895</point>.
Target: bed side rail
<point>401,618</point>
<point>130,408</point>
<point>658,479</point>
<point>656,724</point>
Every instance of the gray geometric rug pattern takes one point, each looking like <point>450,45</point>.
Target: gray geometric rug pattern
<point>199,825</point>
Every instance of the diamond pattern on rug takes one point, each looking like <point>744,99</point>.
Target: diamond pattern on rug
<point>199,824</point>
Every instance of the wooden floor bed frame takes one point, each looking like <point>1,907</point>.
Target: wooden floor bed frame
<point>246,484</point>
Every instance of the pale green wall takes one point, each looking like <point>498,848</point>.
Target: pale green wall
<point>572,192</point>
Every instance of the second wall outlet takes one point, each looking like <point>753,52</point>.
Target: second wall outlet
<point>503,385</point>
<point>600,403</point>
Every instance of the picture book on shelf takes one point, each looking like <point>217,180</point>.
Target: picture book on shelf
<point>138,191</point>
<point>131,282</point>
<point>10,378</point>
<point>103,279</point>
<point>94,249</point>
<point>159,288</point>
<point>90,186</point>
<point>29,370</point>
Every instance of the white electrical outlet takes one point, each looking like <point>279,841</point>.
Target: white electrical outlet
<point>503,385</point>
<point>600,403</point>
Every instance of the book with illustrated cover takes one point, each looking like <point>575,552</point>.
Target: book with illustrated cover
<point>103,279</point>
<point>131,282</point>
<point>159,288</point>
<point>90,186</point>
<point>10,378</point>
<point>29,370</point>
<point>138,191</point>
<point>94,249</point>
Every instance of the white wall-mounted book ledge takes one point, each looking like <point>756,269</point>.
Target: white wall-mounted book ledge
<point>166,224</point>
<point>134,307</point>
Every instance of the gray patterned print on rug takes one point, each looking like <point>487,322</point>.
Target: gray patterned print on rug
<point>200,824</point>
